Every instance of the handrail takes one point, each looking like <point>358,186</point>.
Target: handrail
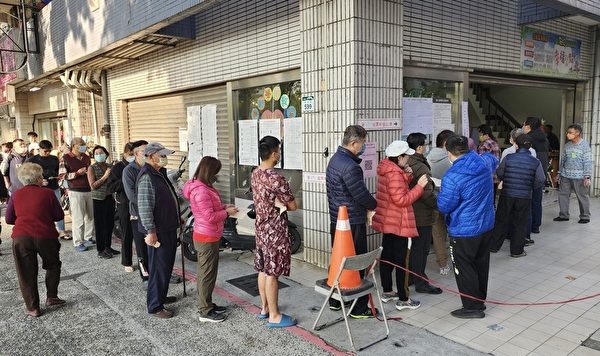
<point>505,115</point>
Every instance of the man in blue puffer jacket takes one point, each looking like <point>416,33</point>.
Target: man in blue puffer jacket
<point>521,173</point>
<point>346,186</point>
<point>467,199</point>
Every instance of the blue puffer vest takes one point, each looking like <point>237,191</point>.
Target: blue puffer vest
<point>518,174</point>
<point>345,186</point>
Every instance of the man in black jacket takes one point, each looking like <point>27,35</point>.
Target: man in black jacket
<point>539,142</point>
<point>346,186</point>
<point>520,173</point>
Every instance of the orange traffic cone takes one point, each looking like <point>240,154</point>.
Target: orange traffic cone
<point>343,246</point>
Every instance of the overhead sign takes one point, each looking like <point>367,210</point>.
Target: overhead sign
<point>308,103</point>
<point>546,53</point>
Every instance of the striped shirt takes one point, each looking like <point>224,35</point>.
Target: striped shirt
<point>576,160</point>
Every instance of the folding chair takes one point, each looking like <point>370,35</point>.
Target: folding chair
<point>366,262</point>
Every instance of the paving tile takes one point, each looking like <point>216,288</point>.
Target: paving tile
<point>509,349</point>
<point>553,350</point>
<point>570,336</point>
<point>584,351</point>
<point>526,342</point>
<point>562,344</point>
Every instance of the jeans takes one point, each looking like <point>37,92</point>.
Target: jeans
<point>60,225</point>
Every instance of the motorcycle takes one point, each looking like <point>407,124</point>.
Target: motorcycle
<point>238,234</point>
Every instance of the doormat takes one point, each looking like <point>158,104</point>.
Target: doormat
<point>249,284</point>
<point>593,342</point>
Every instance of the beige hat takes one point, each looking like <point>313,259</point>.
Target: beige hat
<point>398,148</point>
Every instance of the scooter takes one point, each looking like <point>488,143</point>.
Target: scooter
<point>238,234</point>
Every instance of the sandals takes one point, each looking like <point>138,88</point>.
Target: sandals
<point>286,321</point>
<point>264,316</point>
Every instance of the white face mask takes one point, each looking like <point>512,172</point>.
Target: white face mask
<point>130,159</point>
<point>21,150</point>
<point>163,161</point>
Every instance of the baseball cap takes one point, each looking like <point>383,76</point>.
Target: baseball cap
<point>398,148</point>
<point>155,147</point>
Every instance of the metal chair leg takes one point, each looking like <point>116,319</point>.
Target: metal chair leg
<point>323,308</point>
<point>346,318</point>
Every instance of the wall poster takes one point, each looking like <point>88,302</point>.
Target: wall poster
<point>292,143</point>
<point>194,136</point>
<point>547,53</point>
<point>248,142</point>
<point>209,130</point>
<point>417,115</point>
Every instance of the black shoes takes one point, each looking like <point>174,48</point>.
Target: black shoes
<point>493,251</point>
<point>529,242</point>
<point>522,254</point>
<point>560,218</point>
<point>112,251</point>
<point>105,254</point>
<point>429,289</point>
<point>464,313</point>
<point>583,221</point>
<point>170,300</point>
<point>535,231</point>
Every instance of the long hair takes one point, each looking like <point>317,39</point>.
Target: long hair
<point>207,170</point>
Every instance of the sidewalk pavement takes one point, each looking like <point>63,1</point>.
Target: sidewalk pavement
<point>105,313</point>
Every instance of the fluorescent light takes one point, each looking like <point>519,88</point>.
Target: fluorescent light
<point>35,89</point>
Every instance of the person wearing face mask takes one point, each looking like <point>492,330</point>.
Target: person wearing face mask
<point>14,160</point>
<point>346,186</point>
<point>159,217</point>
<point>50,164</point>
<point>104,204</point>
<point>115,186</point>
<point>470,221</point>
<point>395,218</point>
<point>76,164</point>
<point>209,216</point>
<point>129,178</point>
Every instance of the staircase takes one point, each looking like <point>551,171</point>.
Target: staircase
<point>493,114</point>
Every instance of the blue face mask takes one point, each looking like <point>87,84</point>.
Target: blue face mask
<point>362,150</point>
<point>100,158</point>
<point>82,149</point>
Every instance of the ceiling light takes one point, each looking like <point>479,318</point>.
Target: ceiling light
<point>35,89</point>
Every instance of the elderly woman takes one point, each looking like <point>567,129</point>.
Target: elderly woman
<point>33,210</point>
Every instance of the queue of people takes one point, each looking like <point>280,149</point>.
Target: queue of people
<point>409,210</point>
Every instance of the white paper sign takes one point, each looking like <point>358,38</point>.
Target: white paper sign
<point>270,127</point>
<point>369,160</point>
<point>292,143</point>
<point>209,130</point>
<point>380,124</point>
<point>308,103</point>
<point>183,139</point>
<point>442,116</point>
<point>194,133</point>
<point>313,177</point>
<point>248,142</point>
<point>417,115</point>
<point>465,118</point>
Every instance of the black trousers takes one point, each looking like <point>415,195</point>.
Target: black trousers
<point>25,252</point>
<point>395,250</point>
<point>104,220</point>
<point>359,237</point>
<point>471,258</point>
<point>160,262</point>
<point>126,234</point>
<point>141,250</point>
<point>536,208</point>
<point>512,219</point>
<point>418,255</point>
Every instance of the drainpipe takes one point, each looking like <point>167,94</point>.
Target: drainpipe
<point>106,127</point>
<point>595,117</point>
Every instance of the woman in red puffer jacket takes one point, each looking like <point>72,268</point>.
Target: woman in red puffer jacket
<point>394,217</point>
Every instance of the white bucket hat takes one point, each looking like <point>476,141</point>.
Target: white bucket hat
<point>398,148</point>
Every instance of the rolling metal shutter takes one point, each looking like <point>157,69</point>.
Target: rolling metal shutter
<point>159,119</point>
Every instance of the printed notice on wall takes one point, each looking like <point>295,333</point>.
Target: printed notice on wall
<point>194,136</point>
<point>380,124</point>
<point>442,116</point>
<point>465,118</point>
<point>292,143</point>
<point>417,115</point>
<point>209,130</point>
<point>183,139</point>
<point>369,160</point>
<point>270,127</point>
<point>248,142</point>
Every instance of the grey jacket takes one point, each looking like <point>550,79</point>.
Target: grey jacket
<point>438,161</point>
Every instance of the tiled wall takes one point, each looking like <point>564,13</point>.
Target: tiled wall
<point>355,74</point>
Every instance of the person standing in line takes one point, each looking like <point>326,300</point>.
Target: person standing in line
<point>470,222</point>
<point>209,216</point>
<point>539,142</point>
<point>80,195</point>
<point>33,210</point>
<point>423,212</point>
<point>273,255</point>
<point>14,160</point>
<point>130,173</point>
<point>487,141</point>
<point>514,133</point>
<point>115,186</point>
<point>159,217</point>
<point>520,173</point>
<point>104,204</point>
<point>50,164</point>
<point>553,141</point>
<point>439,163</point>
<point>394,217</point>
<point>575,175</point>
<point>346,186</point>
